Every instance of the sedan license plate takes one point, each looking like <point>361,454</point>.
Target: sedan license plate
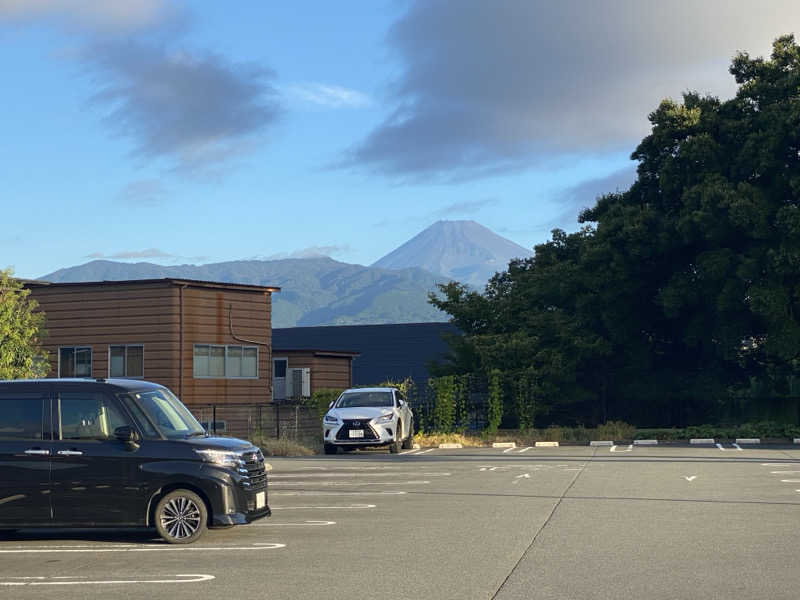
<point>261,500</point>
<point>356,433</point>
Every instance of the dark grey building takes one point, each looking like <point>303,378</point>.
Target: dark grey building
<point>392,352</point>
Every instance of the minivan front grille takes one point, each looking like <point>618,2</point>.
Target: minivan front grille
<point>256,477</point>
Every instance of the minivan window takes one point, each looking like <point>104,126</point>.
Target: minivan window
<point>22,416</point>
<point>89,416</point>
<point>171,417</point>
<point>148,430</point>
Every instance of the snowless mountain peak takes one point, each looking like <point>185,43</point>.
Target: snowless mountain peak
<point>462,250</point>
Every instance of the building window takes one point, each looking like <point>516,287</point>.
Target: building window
<point>75,361</point>
<point>225,362</point>
<point>126,361</point>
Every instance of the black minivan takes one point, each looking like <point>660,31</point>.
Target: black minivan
<point>120,453</point>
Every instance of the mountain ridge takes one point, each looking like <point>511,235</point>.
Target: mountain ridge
<point>314,291</point>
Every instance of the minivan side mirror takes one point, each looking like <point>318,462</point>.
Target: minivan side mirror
<point>126,434</point>
<point>331,404</point>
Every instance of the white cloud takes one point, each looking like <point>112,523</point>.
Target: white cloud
<point>331,96</point>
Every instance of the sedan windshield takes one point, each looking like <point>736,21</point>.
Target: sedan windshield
<point>169,414</point>
<point>365,399</point>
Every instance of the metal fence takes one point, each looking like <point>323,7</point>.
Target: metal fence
<point>277,420</point>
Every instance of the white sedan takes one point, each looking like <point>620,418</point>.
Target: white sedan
<point>368,417</point>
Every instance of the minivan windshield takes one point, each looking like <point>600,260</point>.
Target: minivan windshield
<point>168,414</point>
<point>365,399</point>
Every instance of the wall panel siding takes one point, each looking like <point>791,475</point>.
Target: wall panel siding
<point>103,315</point>
<point>150,314</point>
<point>213,316</point>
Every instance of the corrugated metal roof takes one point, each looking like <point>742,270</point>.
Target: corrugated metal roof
<point>388,352</point>
<point>163,280</point>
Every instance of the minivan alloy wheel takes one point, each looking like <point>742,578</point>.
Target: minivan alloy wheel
<point>181,517</point>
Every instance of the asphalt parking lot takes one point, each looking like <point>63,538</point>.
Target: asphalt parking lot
<point>569,522</point>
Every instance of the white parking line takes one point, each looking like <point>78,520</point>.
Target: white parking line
<point>133,548</point>
<point>345,483</point>
<point>425,451</point>
<point>332,507</point>
<point>783,464</point>
<point>507,450</point>
<point>720,447</point>
<point>318,493</point>
<point>341,475</point>
<point>738,447</point>
<point>784,472</point>
<point>790,480</point>
<point>409,452</point>
<point>297,524</point>
<point>22,581</point>
<point>525,449</point>
<point>627,449</point>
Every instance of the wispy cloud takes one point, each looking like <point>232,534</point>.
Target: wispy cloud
<point>460,208</point>
<point>330,96</point>
<point>143,192</point>
<point>488,88</point>
<point>131,254</point>
<point>310,252</point>
<point>106,15</point>
<point>463,207</point>
<point>195,109</point>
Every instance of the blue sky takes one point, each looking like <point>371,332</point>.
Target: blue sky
<point>191,133</point>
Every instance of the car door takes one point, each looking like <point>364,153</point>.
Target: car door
<point>24,455</point>
<point>94,476</point>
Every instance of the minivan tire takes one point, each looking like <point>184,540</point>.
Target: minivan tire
<point>330,449</point>
<point>181,517</point>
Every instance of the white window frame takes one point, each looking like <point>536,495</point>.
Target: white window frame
<point>225,361</point>
<point>126,346</point>
<point>76,347</point>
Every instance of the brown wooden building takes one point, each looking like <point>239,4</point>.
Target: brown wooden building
<point>319,369</point>
<point>208,342</point>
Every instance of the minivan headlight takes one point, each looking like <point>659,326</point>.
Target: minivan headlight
<point>385,419</point>
<point>331,419</point>
<point>223,458</point>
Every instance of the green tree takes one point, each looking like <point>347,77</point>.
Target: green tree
<point>21,332</point>
<point>675,293</point>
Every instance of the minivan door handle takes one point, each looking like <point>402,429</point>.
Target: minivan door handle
<point>70,453</point>
<point>37,452</point>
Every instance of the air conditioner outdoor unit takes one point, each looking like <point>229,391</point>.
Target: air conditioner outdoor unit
<point>298,383</point>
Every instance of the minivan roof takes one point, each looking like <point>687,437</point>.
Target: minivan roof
<point>118,385</point>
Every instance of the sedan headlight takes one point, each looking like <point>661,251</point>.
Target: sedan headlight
<point>223,458</point>
<point>383,419</point>
<point>330,420</point>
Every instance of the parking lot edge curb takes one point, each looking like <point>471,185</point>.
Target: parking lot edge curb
<point>748,441</point>
<point>601,443</point>
<point>504,445</point>
<point>547,444</point>
<point>448,446</point>
<point>645,442</point>
<point>695,441</point>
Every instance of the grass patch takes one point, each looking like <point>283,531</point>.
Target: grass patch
<point>434,439</point>
<point>287,447</point>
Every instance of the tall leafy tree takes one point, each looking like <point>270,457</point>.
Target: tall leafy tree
<point>21,332</point>
<point>677,291</point>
